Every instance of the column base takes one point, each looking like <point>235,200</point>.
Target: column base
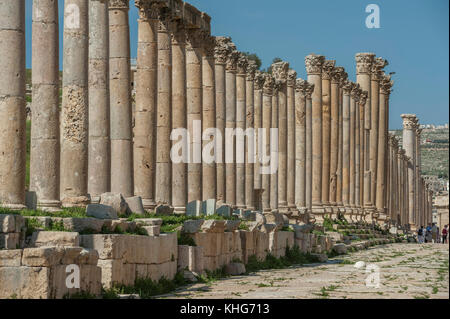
<point>50,205</point>
<point>149,204</point>
<point>13,206</point>
<point>78,201</point>
<point>318,213</point>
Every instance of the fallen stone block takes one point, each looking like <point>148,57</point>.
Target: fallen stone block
<point>42,256</point>
<point>209,207</point>
<point>10,241</point>
<point>213,226</point>
<point>25,282</point>
<point>192,226</point>
<point>194,208</point>
<point>164,210</point>
<point>7,223</point>
<point>135,205</point>
<point>224,211</point>
<point>10,258</point>
<point>116,201</point>
<point>148,221</point>
<point>55,238</point>
<point>152,230</point>
<point>84,224</point>
<point>101,211</point>
<point>274,218</point>
<point>235,269</point>
<point>232,225</point>
<point>340,249</point>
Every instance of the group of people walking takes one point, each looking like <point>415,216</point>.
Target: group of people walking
<point>431,234</point>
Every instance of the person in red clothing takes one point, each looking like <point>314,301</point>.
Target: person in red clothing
<point>444,234</point>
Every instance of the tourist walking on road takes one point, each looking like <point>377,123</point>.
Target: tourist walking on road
<point>434,233</point>
<point>420,235</point>
<point>444,234</point>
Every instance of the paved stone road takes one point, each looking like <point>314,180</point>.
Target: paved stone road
<point>405,271</point>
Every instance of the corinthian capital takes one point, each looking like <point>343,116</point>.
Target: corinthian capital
<point>222,49</point>
<point>119,4</point>
<point>280,71</point>
<point>259,80</point>
<point>251,70</point>
<point>292,76</point>
<point>409,121</point>
<point>347,87</point>
<point>363,97</point>
<point>309,90</point>
<point>356,91</point>
<point>327,69</point>
<point>343,79</point>
<point>232,60</point>
<point>242,63</point>
<point>194,38</point>
<point>386,84</point>
<point>301,86</point>
<point>209,43</point>
<point>336,74</point>
<point>364,62</point>
<point>314,63</point>
<point>148,9</point>
<point>377,67</point>
<point>269,83</point>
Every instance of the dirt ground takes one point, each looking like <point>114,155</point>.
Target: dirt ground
<point>390,271</point>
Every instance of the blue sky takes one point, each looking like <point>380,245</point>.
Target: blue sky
<point>413,37</point>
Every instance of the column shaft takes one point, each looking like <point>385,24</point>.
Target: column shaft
<point>44,150</point>
<point>300,144</point>
<point>75,108</point>
<point>290,191</point>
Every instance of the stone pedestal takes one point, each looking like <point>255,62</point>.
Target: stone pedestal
<point>45,150</point>
<point>75,108</point>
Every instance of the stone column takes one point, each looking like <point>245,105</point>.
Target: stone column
<point>146,94</point>
<point>274,156</point>
<point>348,86</point>
<point>385,85</point>
<point>280,71</point>
<point>362,135</point>
<point>120,99</point>
<point>300,144</point>
<point>259,83</point>
<point>249,125</point>
<point>406,192</point>
<point>194,96</point>
<point>419,193</point>
<point>241,96</point>
<point>408,144</point>
<point>400,185</point>
<point>265,152</point>
<point>334,134</point>
<point>179,111</point>
<point>327,70</point>
<point>290,113</point>
<point>309,155</point>
<point>75,108</point>
<point>376,73</point>
<point>364,63</point>
<point>44,150</point>
<point>12,104</point>
<point>357,154</point>
<point>314,69</point>
<point>352,156</point>
<point>230,124</point>
<point>221,51</point>
<point>339,198</point>
<point>208,116</point>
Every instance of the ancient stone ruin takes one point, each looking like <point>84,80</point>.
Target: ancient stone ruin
<point>113,153</point>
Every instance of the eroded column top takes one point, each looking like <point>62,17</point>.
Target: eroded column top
<point>292,76</point>
<point>327,69</point>
<point>269,83</point>
<point>242,64</point>
<point>364,61</point>
<point>251,70</point>
<point>409,121</point>
<point>280,71</point>
<point>314,63</point>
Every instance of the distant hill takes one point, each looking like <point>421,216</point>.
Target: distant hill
<point>435,151</point>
